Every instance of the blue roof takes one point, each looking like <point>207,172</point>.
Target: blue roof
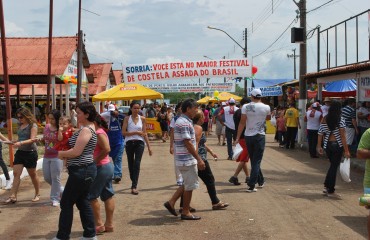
<point>259,83</point>
<point>341,86</point>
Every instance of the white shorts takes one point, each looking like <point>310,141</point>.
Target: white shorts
<point>350,135</point>
<point>190,177</point>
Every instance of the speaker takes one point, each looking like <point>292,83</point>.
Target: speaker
<point>297,35</point>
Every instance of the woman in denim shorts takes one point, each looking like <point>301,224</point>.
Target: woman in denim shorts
<point>102,185</point>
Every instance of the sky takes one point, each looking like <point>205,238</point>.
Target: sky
<point>157,31</point>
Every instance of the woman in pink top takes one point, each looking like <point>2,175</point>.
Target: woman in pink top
<point>102,185</point>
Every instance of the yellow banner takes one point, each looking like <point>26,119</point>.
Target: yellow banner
<point>152,126</point>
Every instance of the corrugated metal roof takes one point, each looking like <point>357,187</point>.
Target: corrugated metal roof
<point>29,56</point>
<point>40,89</point>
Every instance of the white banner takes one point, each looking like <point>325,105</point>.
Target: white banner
<point>185,70</point>
<point>269,91</point>
<point>192,87</point>
<point>363,89</point>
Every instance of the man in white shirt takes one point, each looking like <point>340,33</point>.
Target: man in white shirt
<point>325,107</point>
<point>230,133</point>
<point>254,116</point>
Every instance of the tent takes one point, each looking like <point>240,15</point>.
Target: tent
<point>127,92</point>
<point>224,96</point>
<point>342,88</point>
<point>204,100</point>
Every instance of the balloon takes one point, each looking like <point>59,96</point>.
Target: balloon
<point>254,70</point>
<point>215,94</point>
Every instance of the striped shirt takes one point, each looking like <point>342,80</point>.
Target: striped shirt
<point>184,130</point>
<point>86,156</point>
<point>324,130</point>
<point>349,113</point>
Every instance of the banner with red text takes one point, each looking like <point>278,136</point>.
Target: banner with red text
<point>184,70</point>
<point>152,126</point>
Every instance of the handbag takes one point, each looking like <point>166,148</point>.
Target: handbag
<point>237,151</point>
<point>344,168</point>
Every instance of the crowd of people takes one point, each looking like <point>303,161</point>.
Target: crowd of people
<point>92,151</point>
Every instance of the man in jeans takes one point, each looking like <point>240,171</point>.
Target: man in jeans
<point>187,159</point>
<point>254,116</point>
<point>230,133</point>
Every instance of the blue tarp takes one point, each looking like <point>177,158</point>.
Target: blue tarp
<point>341,86</point>
<point>260,83</point>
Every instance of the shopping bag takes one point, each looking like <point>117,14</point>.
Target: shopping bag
<point>273,121</point>
<point>345,169</point>
<point>237,151</point>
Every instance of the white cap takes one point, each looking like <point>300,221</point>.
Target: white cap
<point>256,92</point>
<point>315,105</point>
<point>223,103</point>
<point>231,100</point>
<point>111,107</point>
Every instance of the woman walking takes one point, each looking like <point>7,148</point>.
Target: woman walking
<point>26,155</point>
<point>52,166</point>
<point>134,130</point>
<point>81,174</point>
<point>102,186</point>
<point>206,175</point>
<point>332,134</point>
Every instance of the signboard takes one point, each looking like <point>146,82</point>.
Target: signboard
<point>186,70</point>
<point>152,125</point>
<point>363,89</point>
<point>192,87</point>
<point>269,91</point>
<point>71,70</point>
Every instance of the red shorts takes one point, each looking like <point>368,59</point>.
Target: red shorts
<point>244,156</point>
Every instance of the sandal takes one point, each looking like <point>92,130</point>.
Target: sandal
<point>10,200</point>
<point>134,192</point>
<point>36,198</point>
<point>108,229</point>
<point>220,206</point>
<point>100,229</point>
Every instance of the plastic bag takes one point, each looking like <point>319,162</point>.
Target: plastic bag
<point>344,168</point>
<point>237,151</point>
<point>273,121</point>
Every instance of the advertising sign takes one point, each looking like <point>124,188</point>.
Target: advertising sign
<point>184,70</point>
<point>71,70</point>
<point>269,91</point>
<point>364,89</point>
<point>192,87</point>
<point>152,126</point>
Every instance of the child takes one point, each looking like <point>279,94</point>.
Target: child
<point>281,129</point>
<point>64,133</point>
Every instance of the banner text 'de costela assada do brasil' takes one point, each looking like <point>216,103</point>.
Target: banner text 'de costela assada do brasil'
<point>185,70</point>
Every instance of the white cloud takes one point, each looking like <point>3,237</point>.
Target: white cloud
<point>12,30</point>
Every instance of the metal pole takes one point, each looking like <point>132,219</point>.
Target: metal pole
<point>6,83</point>
<point>79,51</point>
<point>245,55</point>
<point>50,42</point>
<point>294,57</point>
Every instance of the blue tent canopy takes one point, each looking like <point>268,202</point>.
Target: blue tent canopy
<point>260,83</point>
<point>341,86</point>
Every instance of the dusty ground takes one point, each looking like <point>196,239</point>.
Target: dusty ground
<point>291,206</point>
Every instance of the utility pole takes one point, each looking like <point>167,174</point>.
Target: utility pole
<point>79,55</point>
<point>302,71</point>
<point>245,55</point>
<point>294,58</point>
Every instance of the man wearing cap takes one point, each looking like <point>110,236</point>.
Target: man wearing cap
<point>116,140</point>
<point>253,118</point>
<point>292,122</point>
<point>313,118</point>
<point>325,107</point>
<point>230,133</point>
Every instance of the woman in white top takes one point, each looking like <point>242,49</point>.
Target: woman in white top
<point>134,130</point>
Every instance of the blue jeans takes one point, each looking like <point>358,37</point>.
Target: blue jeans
<point>230,136</point>
<point>256,147</point>
<point>102,185</point>
<point>312,141</point>
<point>334,153</point>
<point>134,151</point>
<point>75,192</point>
<point>117,161</point>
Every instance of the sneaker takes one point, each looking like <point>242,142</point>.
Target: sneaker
<point>55,203</point>
<point>179,183</point>
<point>89,238</point>
<point>261,185</point>
<point>325,191</point>
<point>229,158</point>
<point>333,195</point>
<point>234,180</point>
<point>8,185</point>
<point>250,190</point>
<point>281,146</point>
<point>117,179</point>
<point>223,144</point>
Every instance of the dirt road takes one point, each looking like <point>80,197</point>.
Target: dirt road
<point>290,206</point>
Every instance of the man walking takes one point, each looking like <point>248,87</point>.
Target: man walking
<point>349,115</point>
<point>187,159</point>
<point>230,126</point>
<point>292,123</point>
<point>116,140</point>
<point>254,116</point>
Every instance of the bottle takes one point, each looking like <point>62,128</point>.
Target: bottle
<point>364,200</point>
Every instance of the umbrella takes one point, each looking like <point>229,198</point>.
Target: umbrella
<point>127,92</point>
<point>225,96</point>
